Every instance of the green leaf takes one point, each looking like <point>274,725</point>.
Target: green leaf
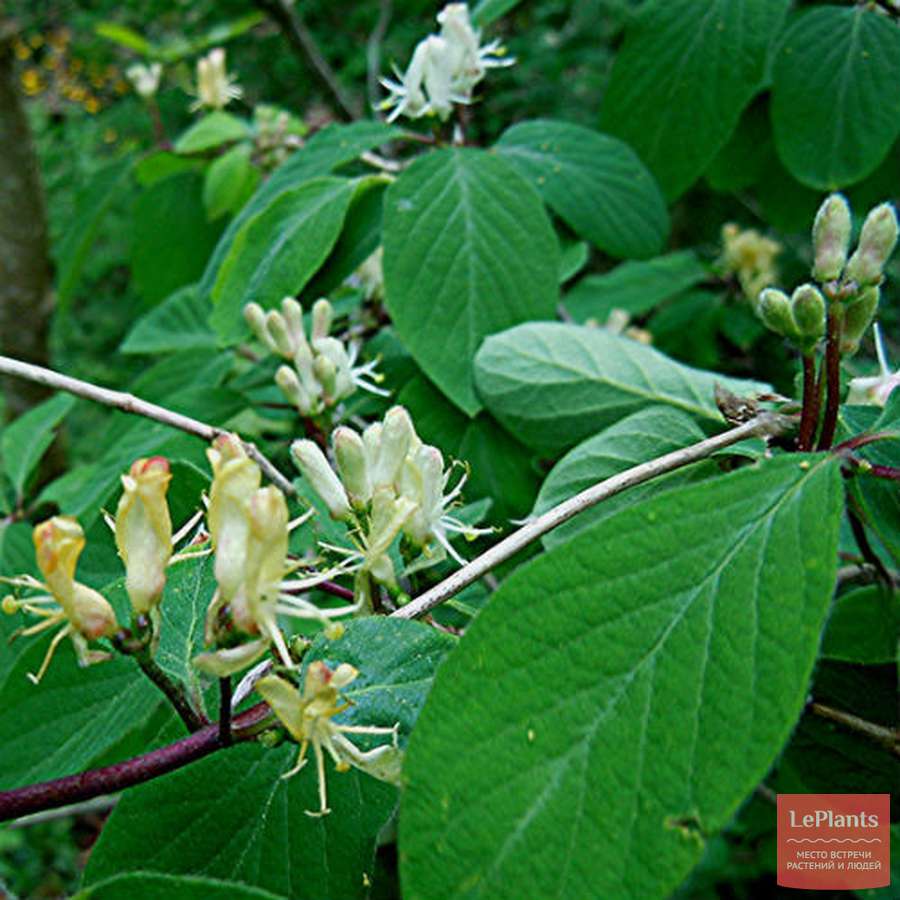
<point>24,441</point>
<point>573,257</point>
<point>232,817</point>
<point>396,666</point>
<point>594,182</point>
<point>229,182</point>
<point>278,251</point>
<point>190,585</point>
<point>553,385</point>
<point>638,438</point>
<point>864,627</point>
<point>468,251</point>
<point>92,205</point>
<point>488,11</point>
<point>147,886</point>
<point>359,239</point>
<point>835,110</point>
<point>213,130</point>
<point>683,77</point>
<point>73,716</point>
<point>180,322</point>
<point>125,37</point>
<point>636,287</point>
<point>499,466</point>
<point>171,237</point>
<point>325,151</point>
<point>621,695</point>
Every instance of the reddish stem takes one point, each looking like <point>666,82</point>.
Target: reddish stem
<point>86,785</point>
<point>809,417</point>
<point>336,590</point>
<point>832,378</point>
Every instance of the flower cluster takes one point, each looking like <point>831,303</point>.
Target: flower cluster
<point>323,370</point>
<point>445,68</point>
<point>751,257</point>
<point>308,718</point>
<point>851,287</point>
<point>387,483</point>
<point>83,612</point>
<point>215,87</point>
<point>145,79</point>
<point>249,528</point>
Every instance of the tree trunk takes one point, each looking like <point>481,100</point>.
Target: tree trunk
<point>26,277</point>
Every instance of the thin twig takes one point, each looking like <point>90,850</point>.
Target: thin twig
<point>128,403</point>
<point>764,424</point>
<point>887,737</point>
<point>832,378</point>
<point>301,39</point>
<point>335,589</point>
<point>373,52</point>
<point>110,779</point>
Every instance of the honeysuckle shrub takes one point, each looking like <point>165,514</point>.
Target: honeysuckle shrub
<point>410,342</point>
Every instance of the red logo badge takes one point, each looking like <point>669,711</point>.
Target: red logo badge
<point>834,841</point>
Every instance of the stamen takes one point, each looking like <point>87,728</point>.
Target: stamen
<point>35,679</point>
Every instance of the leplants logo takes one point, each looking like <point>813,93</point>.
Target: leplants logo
<point>834,841</point>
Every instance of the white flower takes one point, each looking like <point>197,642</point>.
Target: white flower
<point>215,87</point>
<point>444,68</point>
<point>145,79</point>
<point>324,369</point>
<point>875,390</point>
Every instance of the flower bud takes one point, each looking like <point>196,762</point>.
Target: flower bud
<point>304,364</point>
<point>314,467</point>
<point>397,433</point>
<point>372,443</point>
<point>292,312</point>
<point>775,311</point>
<point>235,479</point>
<point>831,237</point>
<point>322,317</point>
<point>145,79</point>
<point>422,482</point>
<point>267,549</point>
<point>144,531</point>
<point>876,243</point>
<point>808,312</point>
<point>278,331</point>
<point>857,318</point>
<point>350,453</point>
<point>286,378</point>
<point>255,318</point>
<point>326,374</point>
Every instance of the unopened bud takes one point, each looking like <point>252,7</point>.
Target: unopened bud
<point>775,311</point>
<point>255,317</point>
<point>277,328</point>
<point>314,467</point>
<point>350,453</point>
<point>144,531</point>
<point>326,374</point>
<point>286,378</point>
<point>90,613</point>
<point>292,312</point>
<point>876,243</point>
<point>857,318</point>
<point>808,311</point>
<point>322,316</point>
<point>831,237</point>
<point>397,433</point>
<point>303,363</point>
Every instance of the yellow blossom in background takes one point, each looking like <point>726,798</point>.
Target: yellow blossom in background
<point>751,257</point>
